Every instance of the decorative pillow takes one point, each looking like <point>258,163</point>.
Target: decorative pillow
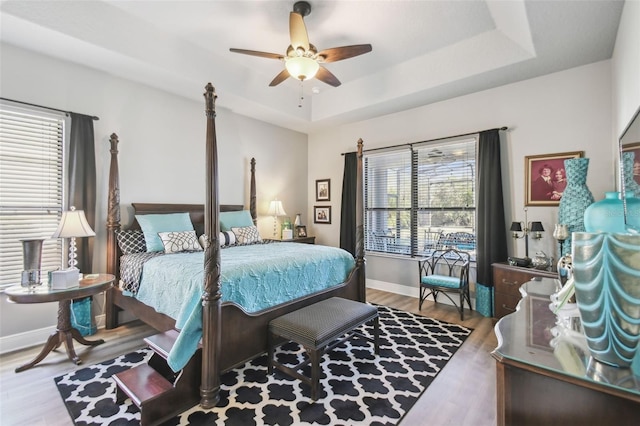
<point>227,238</point>
<point>175,242</point>
<point>152,224</point>
<point>247,234</point>
<point>131,241</point>
<point>237,219</point>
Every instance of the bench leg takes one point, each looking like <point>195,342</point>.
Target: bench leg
<point>376,334</point>
<point>270,351</point>
<point>315,356</point>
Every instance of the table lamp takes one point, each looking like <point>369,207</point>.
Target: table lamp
<point>275,210</point>
<point>73,224</point>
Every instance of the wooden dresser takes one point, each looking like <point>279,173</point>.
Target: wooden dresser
<point>507,280</point>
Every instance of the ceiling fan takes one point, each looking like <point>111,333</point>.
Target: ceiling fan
<point>302,60</point>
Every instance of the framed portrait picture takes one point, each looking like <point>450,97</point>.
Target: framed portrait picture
<point>323,190</point>
<point>301,231</point>
<point>635,148</point>
<point>322,214</point>
<point>545,178</point>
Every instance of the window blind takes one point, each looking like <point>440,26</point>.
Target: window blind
<point>31,187</point>
<point>421,198</point>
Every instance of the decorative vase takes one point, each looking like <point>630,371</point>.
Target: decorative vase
<point>31,261</point>
<point>298,220</point>
<point>605,215</point>
<point>606,273</point>
<point>575,199</point>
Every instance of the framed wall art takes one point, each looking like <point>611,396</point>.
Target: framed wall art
<point>322,214</point>
<point>545,178</point>
<point>323,190</point>
<point>635,148</point>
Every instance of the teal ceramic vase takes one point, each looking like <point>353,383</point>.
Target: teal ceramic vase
<point>631,187</point>
<point>606,272</point>
<point>605,215</point>
<point>575,199</point>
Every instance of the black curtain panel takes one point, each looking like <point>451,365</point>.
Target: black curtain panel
<point>348,213</point>
<point>491,234</point>
<point>82,182</point>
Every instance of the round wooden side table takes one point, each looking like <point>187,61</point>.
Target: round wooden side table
<point>64,333</point>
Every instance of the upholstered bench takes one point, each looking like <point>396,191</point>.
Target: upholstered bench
<point>319,328</point>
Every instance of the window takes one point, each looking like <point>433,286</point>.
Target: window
<point>31,186</point>
<point>421,197</point>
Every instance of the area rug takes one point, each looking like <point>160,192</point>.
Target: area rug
<point>358,388</point>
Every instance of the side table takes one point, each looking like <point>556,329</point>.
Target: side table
<point>64,333</point>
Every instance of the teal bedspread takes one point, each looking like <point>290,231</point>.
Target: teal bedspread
<point>256,277</point>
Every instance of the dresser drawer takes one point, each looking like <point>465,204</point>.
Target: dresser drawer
<point>509,282</point>
<point>505,304</point>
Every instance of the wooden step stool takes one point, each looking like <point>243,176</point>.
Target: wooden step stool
<point>315,327</point>
<point>158,391</point>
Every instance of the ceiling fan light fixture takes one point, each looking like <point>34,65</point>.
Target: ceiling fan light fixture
<point>301,68</point>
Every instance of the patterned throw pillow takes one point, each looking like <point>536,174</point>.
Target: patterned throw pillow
<point>131,241</point>
<point>247,234</point>
<point>227,238</point>
<point>175,242</point>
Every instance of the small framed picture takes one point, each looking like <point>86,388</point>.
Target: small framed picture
<point>301,231</point>
<point>322,214</point>
<point>545,178</point>
<point>323,190</point>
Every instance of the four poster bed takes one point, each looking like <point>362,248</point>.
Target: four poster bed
<point>231,333</point>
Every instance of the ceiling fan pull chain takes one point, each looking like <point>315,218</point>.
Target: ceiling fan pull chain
<point>301,95</point>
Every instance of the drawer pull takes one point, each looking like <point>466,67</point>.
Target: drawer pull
<point>508,308</point>
<point>504,281</point>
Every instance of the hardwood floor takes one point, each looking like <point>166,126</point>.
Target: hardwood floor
<point>464,393</point>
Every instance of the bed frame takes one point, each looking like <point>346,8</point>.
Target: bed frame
<point>231,336</point>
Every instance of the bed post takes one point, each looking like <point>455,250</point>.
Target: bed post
<point>210,383</point>
<point>252,196</point>
<point>113,224</point>
<point>360,260</point>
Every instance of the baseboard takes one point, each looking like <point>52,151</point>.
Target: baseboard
<point>31,338</point>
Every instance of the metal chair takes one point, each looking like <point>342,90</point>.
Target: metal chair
<point>445,271</point>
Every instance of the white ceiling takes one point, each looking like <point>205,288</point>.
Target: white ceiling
<point>423,51</point>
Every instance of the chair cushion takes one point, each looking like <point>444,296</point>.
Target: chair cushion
<point>441,280</point>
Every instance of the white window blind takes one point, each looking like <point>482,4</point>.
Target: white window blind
<point>421,198</point>
<point>31,187</point>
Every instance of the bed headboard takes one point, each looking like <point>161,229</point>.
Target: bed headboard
<point>196,212</point>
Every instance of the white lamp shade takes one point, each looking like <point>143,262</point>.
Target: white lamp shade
<point>73,224</point>
<point>301,67</point>
<point>276,209</point>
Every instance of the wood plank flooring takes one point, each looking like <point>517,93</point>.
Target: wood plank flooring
<point>464,393</point>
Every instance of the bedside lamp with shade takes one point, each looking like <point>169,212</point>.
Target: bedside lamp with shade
<point>73,224</point>
<point>276,209</point>
<point>527,228</point>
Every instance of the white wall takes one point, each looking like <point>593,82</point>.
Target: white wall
<point>162,148</point>
<point>561,112</point>
<point>626,67</point>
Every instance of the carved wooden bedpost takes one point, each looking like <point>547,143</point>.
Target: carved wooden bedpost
<point>252,199</point>
<point>360,260</point>
<point>210,386</point>
<point>113,224</point>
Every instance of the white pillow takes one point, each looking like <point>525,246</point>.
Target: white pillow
<point>247,234</point>
<point>175,242</point>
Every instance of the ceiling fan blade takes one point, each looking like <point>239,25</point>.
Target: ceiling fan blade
<point>284,74</point>
<point>257,53</point>
<point>298,31</point>
<point>326,76</point>
<point>345,52</point>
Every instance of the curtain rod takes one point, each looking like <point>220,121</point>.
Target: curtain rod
<point>429,140</point>
<point>40,106</point>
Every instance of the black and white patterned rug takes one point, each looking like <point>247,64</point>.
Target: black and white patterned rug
<point>357,386</point>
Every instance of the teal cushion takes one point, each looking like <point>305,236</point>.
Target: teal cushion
<point>441,280</point>
<point>238,219</point>
<point>152,224</point>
